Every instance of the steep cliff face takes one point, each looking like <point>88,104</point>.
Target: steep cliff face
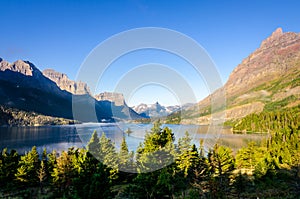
<point>64,83</point>
<point>19,66</point>
<point>117,98</point>
<point>277,55</point>
<point>268,79</point>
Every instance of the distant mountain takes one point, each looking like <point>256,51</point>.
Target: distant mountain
<point>157,110</point>
<point>268,79</point>
<point>23,86</point>
<point>116,98</point>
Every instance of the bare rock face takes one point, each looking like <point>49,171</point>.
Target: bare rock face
<point>117,98</point>
<point>278,54</point>
<point>64,83</point>
<point>23,67</point>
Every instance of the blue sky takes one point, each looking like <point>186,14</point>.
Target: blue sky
<point>60,34</point>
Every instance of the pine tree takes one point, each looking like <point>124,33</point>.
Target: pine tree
<point>109,156</point>
<point>28,165</point>
<point>221,164</point>
<point>157,150</point>
<point>51,161</point>
<point>62,171</point>
<point>42,175</point>
<point>93,146</point>
<point>44,155</point>
<point>247,158</point>
<point>188,156</point>
<point>124,156</point>
<point>8,167</point>
<point>108,152</point>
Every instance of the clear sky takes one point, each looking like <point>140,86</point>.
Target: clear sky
<point>60,34</point>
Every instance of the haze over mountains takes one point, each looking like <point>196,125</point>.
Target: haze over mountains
<point>267,80</point>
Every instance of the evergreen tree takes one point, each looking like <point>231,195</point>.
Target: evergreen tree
<point>44,155</point>
<point>42,175</point>
<point>62,171</point>
<point>94,146</point>
<point>28,165</point>
<point>221,164</point>
<point>109,156</point>
<point>108,152</point>
<point>124,156</point>
<point>188,157</point>
<point>8,167</point>
<point>248,157</point>
<point>52,160</point>
<point>157,150</point>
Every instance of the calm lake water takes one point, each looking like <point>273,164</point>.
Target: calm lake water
<point>63,137</point>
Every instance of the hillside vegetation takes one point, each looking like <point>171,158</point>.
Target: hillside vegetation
<point>15,117</point>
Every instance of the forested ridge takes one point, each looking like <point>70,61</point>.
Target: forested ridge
<point>268,170</point>
<point>16,117</point>
<point>267,121</point>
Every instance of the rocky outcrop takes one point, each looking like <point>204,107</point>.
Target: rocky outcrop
<point>277,55</point>
<point>64,83</point>
<point>23,67</point>
<point>116,98</point>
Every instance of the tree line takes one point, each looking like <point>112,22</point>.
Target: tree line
<point>266,122</point>
<point>158,169</point>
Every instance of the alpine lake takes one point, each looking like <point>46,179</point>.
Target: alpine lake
<point>62,137</point>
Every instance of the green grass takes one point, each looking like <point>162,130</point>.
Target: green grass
<point>280,105</point>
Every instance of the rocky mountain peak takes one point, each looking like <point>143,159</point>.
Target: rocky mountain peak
<point>279,39</point>
<point>20,66</point>
<point>64,83</point>
<point>277,33</point>
<point>267,43</point>
<point>276,55</point>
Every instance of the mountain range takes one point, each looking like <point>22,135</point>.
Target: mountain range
<point>157,110</point>
<point>24,87</point>
<point>267,80</point>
